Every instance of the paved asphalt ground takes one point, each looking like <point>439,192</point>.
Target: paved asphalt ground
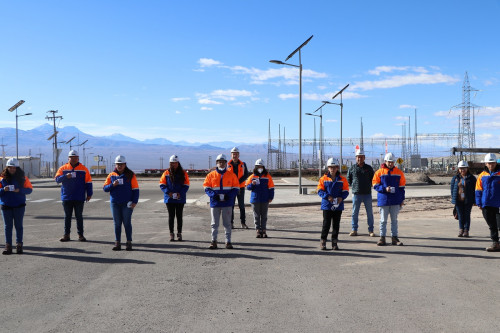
<point>435,283</point>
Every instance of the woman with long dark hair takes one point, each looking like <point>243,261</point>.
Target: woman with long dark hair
<point>174,183</point>
<point>14,186</point>
<point>463,191</point>
<point>262,186</point>
<point>124,195</point>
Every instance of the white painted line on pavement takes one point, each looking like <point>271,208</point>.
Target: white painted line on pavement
<point>41,200</point>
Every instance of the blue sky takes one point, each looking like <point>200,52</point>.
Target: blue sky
<point>200,71</point>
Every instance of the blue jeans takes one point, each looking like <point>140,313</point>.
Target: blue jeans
<point>13,217</point>
<point>241,205</point>
<point>384,215</point>
<point>69,206</point>
<point>122,214</point>
<point>463,211</point>
<point>366,199</point>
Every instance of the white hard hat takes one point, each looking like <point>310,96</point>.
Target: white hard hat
<point>389,157</point>
<point>360,152</point>
<point>12,162</point>
<point>463,164</point>
<point>174,158</point>
<point>332,162</point>
<point>259,162</point>
<point>120,159</point>
<point>72,153</point>
<point>221,157</point>
<point>490,157</point>
<point>235,150</point>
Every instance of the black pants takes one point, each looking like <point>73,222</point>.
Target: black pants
<point>175,209</point>
<point>490,215</point>
<point>331,217</point>
<point>241,205</point>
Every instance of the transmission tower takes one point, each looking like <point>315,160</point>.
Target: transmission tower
<point>283,159</point>
<point>415,141</point>
<point>315,153</point>
<point>361,144</point>
<point>269,162</point>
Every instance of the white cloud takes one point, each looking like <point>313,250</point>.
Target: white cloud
<point>448,113</point>
<point>403,80</point>
<point>206,108</point>
<point>378,135</point>
<point>230,94</point>
<point>207,62</point>
<point>388,69</point>
<point>208,101</point>
<point>177,112</point>
<point>489,111</point>
<point>290,75</point>
<point>331,120</point>
<point>407,106</point>
<point>489,125</point>
<point>288,96</point>
<point>401,118</point>
<point>180,99</point>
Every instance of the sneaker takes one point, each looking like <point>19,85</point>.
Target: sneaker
<point>495,247</point>
<point>8,249</point>
<point>65,238</point>
<point>213,245</point>
<point>172,237</point>
<point>128,246</point>
<point>179,237</point>
<point>81,238</point>
<point>259,234</point>
<point>244,226</point>
<point>353,233</point>
<point>229,246</point>
<point>322,245</point>
<point>371,233</point>
<point>461,233</point>
<point>335,247</point>
<point>264,234</point>
<point>19,248</point>
<point>466,233</point>
<point>117,247</point>
<point>396,241</point>
<point>381,242</point>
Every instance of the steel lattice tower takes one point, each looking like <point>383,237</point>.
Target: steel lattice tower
<point>467,137</point>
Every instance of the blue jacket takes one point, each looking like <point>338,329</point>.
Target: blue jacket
<point>74,188</point>
<point>385,177</point>
<point>167,186</point>
<point>120,194</point>
<point>221,182</point>
<point>470,188</point>
<point>262,192</point>
<point>488,188</point>
<point>334,187</point>
<point>14,199</point>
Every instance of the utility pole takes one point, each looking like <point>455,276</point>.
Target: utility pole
<point>3,154</point>
<point>54,136</point>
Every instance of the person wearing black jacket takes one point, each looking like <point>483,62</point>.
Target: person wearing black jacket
<point>463,186</point>
<point>239,168</point>
<point>359,177</point>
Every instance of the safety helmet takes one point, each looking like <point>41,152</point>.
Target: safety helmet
<point>221,157</point>
<point>235,150</point>
<point>389,157</point>
<point>259,162</point>
<point>120,159</point>
<point>490,157</point>
<point>72,153</point>
<point>360,152</point>
<point>332,162</point>
<point>12,162</point>
<point>463,164</point>
<point>174,158</point>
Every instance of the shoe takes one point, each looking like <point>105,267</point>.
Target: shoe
<point>322,244</point>
<point>81,238</point>
<point>179,237</point>
<point>353,233</point>
<point>8,249</point>
<point>128,246</point>
<point>495,247</point>
<point>229,245</point>
<point>213,245</point>
<point>335,247</point>
<point>264,234</point>
<point>259,234</point>
<point>466,233</point>
<point>381,242</point>
<point>396,241</point>
<point>461,233</point>
<point>371,233</point>
<point>65,238</point>
<point>244,226</point>
<point>19,248</point>
<point>172,237</point>
<point>117,247</point>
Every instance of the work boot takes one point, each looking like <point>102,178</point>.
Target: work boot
<point>117,247</point>
<point>172,237</point>
<point>264,234</point>
<point>322,244</point>
<point>229,245</point>
<point>335,247</point>
<point>381,242</point>
<point>396,241</point>
<point>353,233</point>
<point>81,238</point>
<point>243,225</point>
<point>65,238</point>
<point>259,234</point>
<point>8,249</point>
<point>461,233</point>
<point>371,233</point>
<point>466,233</point>
<point>179,237</point>
<point>213,245</point>
<point>19,248</point>
<point>128,246</point>
<point>495,247</point>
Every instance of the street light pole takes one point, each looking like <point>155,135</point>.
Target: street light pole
<point>14,107</point>
<point>300,100</point>
<point>341,113</point>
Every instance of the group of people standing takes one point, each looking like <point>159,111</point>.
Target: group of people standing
<point>228,182</point>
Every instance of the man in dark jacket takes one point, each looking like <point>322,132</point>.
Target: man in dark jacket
<point>360,177</point>
<point>239,168</point>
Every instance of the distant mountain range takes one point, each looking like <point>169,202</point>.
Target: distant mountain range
<point>147,154</point>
